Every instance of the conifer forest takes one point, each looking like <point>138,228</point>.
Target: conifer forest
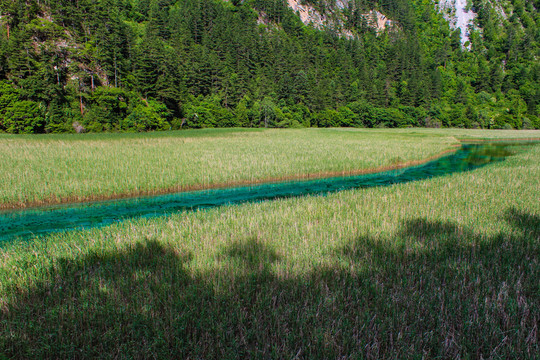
<point>140,65</point>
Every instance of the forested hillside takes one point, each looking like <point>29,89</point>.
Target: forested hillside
<point>138,65</point>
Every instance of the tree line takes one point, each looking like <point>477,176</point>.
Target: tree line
<point>139,65</point>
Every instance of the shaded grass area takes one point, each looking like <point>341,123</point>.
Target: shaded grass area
<point>446,291</point>
<point>442,268</point>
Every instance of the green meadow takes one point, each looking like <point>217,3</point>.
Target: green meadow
<point>38,169</point>
<point>441,268</point>
<point>41,169</point>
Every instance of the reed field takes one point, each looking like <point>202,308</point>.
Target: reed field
<point>47,169</point>
<point>443,268</point>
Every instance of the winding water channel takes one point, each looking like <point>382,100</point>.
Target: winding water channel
<point>43,221</point>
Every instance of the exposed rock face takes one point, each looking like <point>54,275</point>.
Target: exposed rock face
<point>309,15</point>
<point>378,20</point>
<point>459,16</point>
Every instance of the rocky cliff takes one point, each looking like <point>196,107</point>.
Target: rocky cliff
<point>333,17</point>
<point>459,15</point>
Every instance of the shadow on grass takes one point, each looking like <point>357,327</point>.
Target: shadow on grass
<point>435,290</point>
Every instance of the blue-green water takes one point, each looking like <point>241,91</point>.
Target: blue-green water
<point>43,221</point>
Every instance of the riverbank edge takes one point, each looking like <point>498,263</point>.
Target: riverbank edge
<point>53,201</point>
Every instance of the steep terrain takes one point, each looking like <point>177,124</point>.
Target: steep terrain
<point>125,65</point>
<point>459,15</point>
<point>333,16</point>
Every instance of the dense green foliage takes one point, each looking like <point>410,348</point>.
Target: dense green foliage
<point>137,65</point>
<point>445,268</point>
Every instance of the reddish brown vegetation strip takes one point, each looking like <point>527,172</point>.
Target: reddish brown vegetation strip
<point>497,140</point>
<point>54,200</point>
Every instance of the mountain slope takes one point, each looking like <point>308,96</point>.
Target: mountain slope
<point>124,65</point>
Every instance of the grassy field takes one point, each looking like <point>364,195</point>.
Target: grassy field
<point>443,268</point>
<point>51,169</point>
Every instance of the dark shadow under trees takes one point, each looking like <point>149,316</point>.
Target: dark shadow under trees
<point>437,290</point>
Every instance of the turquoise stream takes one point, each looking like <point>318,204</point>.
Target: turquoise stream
<point>43,221</point>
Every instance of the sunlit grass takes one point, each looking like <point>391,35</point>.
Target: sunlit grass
<point>442,268</point>
<point>39,168</point>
